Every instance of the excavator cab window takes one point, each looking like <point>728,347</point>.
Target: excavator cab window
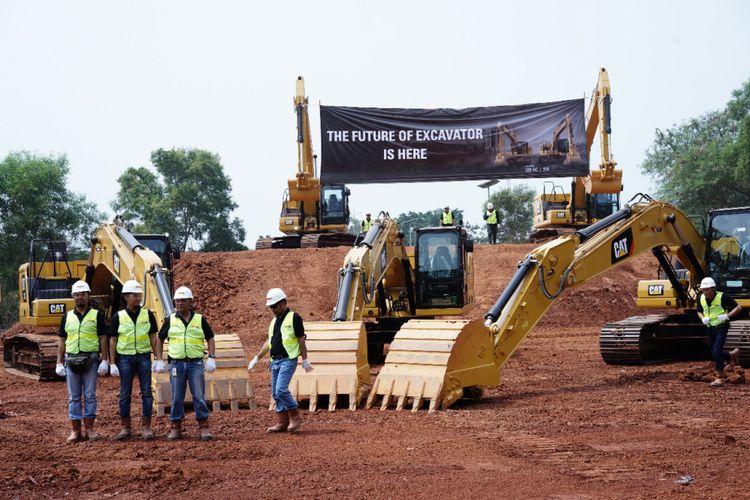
<point>334,205</point>
<point>728,251</point>
<point>604,204</point>
<point>439,272</point>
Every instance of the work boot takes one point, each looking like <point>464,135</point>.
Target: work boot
<point>734,355</point>
<point>205,433</point>
<point>146,432</point>
<point>283,422</point>
<point>718,382</point>
<point>125,431</point>
<point>90,433</point>
<point>175,430</point>
<point>75,432</point>
<point>295,420</point>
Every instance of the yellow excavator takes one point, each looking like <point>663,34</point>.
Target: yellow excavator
<point>440,362</point>
<point>116,256</point>
<point>383,287</point>
<point>592,197</point>
<point>311,215</point>
<point>560,150</point>
<point>520,151</point>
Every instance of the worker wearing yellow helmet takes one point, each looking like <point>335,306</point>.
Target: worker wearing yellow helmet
<point>187,331</point>
<point>715,309</point>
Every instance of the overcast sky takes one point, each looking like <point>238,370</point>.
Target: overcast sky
<point>107,82</point>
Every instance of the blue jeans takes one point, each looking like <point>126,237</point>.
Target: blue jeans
<point>130,366</point>
<point>281,374</point>
<point>82,384</point>
<point>717,335</point>
<point>181,374</point>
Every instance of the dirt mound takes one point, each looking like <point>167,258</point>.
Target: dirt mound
<point>707,373</point>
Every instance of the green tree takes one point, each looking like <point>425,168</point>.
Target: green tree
<point>704,163</point>
<point>189,197</point>
<point>515,213</point>
<point>35,203</point>
<point>415,220</point>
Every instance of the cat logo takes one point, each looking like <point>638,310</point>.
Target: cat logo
<point>622,246</point>
<point>656,289</point>
<point>116,262</point>
<point>57,308</point>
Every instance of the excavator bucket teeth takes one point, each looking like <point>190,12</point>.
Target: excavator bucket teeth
<point>338,353</point>
<point>434,360</point>
<point>229,384</point>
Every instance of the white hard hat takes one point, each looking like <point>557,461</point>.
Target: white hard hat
<point>132,286</point>
<point>80,286</point>
<point>490,206</point>
<point>274,296</point>
<point>183,293</point>
<point>708,282</point>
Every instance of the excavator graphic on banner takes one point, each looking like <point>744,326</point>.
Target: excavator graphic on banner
<point>437,362</point>
<point>592,197</point>
<point>312,215</point>
<point>520,151</point>
<point>560,150</point>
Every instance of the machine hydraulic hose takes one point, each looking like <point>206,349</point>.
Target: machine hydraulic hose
<point>345,290</point>
<point>504,298</point>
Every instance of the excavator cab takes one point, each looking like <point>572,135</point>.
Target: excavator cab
<point>728,250</point>
<point>334,205</point>
<point>440,267</point>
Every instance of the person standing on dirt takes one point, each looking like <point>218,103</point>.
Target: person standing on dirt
<point>187,331</point>
<point>367,223</point>
<point>83,342</point>
<point>286,341</point>
<point>715,309</point>
<point>132,340</point>
<point>490,217</point>
<point>446,218</point>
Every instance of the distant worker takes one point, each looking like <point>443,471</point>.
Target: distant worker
<point>490,216</point>
<point>286,341</point>
<point>132,339</point>
<point>187,331</point>
<point>333,203</point>
<point>715,309</point>
<point>367,223</point>
<point>83,341</point>
<point>446,218</point>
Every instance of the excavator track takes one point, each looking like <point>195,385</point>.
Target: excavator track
<point>322,240</point>
<point>31,355</point>
<point>739,337</point>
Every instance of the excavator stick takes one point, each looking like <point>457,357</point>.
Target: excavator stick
<point>338,351</point>
<point>436,362</point>
<point>229,384</point>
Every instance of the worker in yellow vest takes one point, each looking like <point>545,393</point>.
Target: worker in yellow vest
<point>490,217</point>
<point>367,223</point>
<point>187,332</point>
<point>83,343</point>
<point>446,218</point>
<point>715,309</point>
<point>132,339</point>
<point>286,341</point>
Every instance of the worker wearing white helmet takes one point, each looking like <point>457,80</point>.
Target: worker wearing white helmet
<point>715,309</point>
<point>81,355</point>
<point>132,339</point>
<point>490,217</point>
<point>187,332</point>
<point>286,341</point>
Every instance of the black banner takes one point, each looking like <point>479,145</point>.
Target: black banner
<point>371,145</point>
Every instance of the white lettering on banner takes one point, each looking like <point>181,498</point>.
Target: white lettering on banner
<point>459,134</point>
<point>412,154</point>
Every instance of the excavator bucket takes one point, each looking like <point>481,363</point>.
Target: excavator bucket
<point>338,353</point>
<point>230,383</point>
<point>437,362</point>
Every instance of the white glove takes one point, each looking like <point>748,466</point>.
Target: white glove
<point>723,317</point>
<point>159,366</point>
<point>60,369</point>
<point>706,320</point>
<point>210,365</point>
<point>103,367</point>
<point>307,366</point>
<point>252,364</point>
<point>113,370</point>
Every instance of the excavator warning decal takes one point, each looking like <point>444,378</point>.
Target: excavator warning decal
<point>622,246</point>
<point>116,262</point>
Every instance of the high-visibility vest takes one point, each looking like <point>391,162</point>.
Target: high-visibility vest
<point>186,341</point>
<point>81,335</point>
<point>712,312</point>
<point>367,224</point>
<point>132,338</point>
<point>447,219</point>
<point>288,338</point>
<point>492,217</point>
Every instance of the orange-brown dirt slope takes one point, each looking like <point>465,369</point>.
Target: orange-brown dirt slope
<point>561,424</point>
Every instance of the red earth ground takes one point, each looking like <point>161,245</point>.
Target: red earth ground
<point>561,424</point>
